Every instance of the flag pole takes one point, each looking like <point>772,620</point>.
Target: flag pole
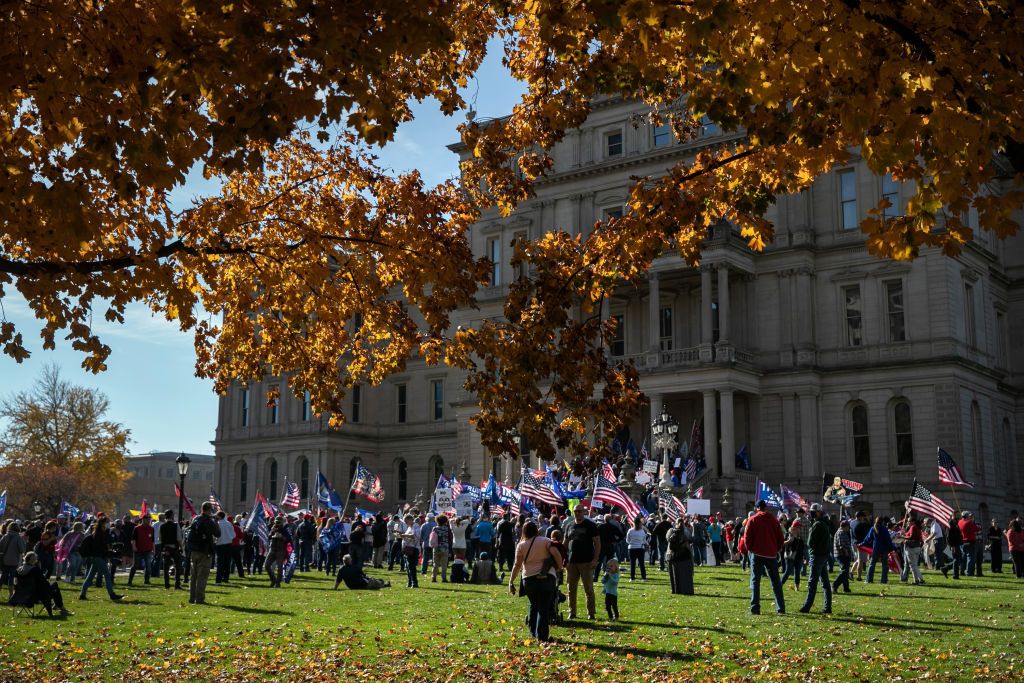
<point>955,498</point>
<point>350,487</point>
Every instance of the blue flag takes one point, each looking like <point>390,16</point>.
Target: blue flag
<point>3,503</point>
<point>492,493</point>
<point>326,496</point>
<point>765,493</point>
<point>743,460</point>
<point>70,510</point>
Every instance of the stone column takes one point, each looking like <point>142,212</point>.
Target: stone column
<point>728,433</point>
<point>706,333</point>
<point>653,312</point>
<point>723,302</point>
<point>710,431</point>
<point>809,451</point>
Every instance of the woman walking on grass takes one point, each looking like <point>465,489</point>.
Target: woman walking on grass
<point>880,542</point>
<point>539,562</point>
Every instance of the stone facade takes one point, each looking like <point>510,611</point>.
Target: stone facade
<point>815,355</point>
<point>154,476</point>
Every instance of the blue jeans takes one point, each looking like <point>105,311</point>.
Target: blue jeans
<point>305,555</point>
<point>428,555</point>
<point>794,567</point>
<point>875,559</point>
<point>98,569</point>
<point>818,572</point>
<point>762,566</point>
<point>411,562</point>
<point>969,551</point>
<point>74,565</point>
<point>146,560</point>
<point>843,579</point>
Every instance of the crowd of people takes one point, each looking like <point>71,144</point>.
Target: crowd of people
<point>546,557</point>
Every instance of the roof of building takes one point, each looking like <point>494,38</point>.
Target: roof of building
<point>169,456</point>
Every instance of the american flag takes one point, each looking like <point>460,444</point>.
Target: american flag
<point>535,486</point>
<point>457,488</point>
<point>791,498</point>
<point>257,522</point>
<point>291,496</point>
<point>643,451</point>
<point>367,484</point>
<point>699,493</point>
<point>607,492</point>
<point>673,507</point>
<point>691,469</point>
<point>265,505</point>
<point>214,500</point>
<point>949,472</point>
<point>607,472</point>
<point>924,501</point>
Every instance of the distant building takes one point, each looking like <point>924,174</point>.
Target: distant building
<point>153,478</point>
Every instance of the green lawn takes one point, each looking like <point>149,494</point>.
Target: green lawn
<point>964,630</point>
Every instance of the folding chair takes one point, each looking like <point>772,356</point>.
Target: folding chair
<point>31,611</point>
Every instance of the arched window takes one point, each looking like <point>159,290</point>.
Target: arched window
<point>859,436</point>
<point>304,478</point>
<point>243,482</point>
<point>272,487</point>
<point>1007,449</point>
<point>976,443</point>
<point>904,431</point>
<point>437,468</point>
<point>403,480</point>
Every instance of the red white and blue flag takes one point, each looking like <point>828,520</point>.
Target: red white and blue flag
<point>291,496</point>
<point>607,471</point>
<point>607,492</point>
<point>214,500</point>
<point>673,507</point>
<point>699,493</point>
<point>534,485</point>
<point>927,503</point>
<point>949,472</point>
<point>367,484</point>
<point>188,501</point>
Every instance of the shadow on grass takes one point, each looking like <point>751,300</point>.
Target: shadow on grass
<point>636,651</point>
<point>252,610</point>
<point>454,588</point>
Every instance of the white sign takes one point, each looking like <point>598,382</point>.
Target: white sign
<point>443,499</point>
<point>698,506</point>
<point>643,478</point>
<point>651,466</point>
<point>464,505</point>
<point>679,463</point>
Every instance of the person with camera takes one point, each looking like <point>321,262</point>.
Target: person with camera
<point>539,562</point>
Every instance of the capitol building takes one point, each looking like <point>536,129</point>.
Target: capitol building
<point>814,355</point>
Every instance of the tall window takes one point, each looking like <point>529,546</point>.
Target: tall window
<point>610,214</point>
<point>970,332</point>
<point>437,393</point>
<point>848,198</point>
<point>273,407</point>
<point>618,345</point>
<point>662,135</point>
<point>519,269</point>
<point>861,442</point>
<point>976,437</point>
<point>245,407</point>
<point>403,480</point>
<point>1001,339</point>
<point>304,478</point>
<point>891,191</point>
<point>904,433</point>
<point>714,322</point>
<point>665,328</point>
<point>613,144</point>
<point>305,406</point>
<point>400,396</point>
<point>494,253</point>
<point>437,468</point>
<point>243,482</point>
<point>273,480</point>
<point>357,399</point>
<point>894,310</point>
<point>852,304</point>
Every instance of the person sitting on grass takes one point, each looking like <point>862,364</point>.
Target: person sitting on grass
<point>355,579</point>
<point>484,571</point>
<point>31,586</point>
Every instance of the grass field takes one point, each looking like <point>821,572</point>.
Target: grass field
<point>964,630</point>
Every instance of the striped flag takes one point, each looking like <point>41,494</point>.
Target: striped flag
<point>927,503</point>
<point>949,472</point>
<point>214,500</point>
<point>674,508</point>
<point>268,508</point>
<point>367,484</point>
<point>699,493</point>
<point>691,468</point>
<point>607,471</point>
<point>257,522</point>
<point>291,496</point>
<point>511,499</point>
<point>534,485</point>
<point>607,492</point>
<point>188,501</point>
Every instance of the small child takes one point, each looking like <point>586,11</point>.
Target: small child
<point>611,589</point>
<point>459,574</point>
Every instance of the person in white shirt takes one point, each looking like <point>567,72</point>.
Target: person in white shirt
<point>636,541</point>
<point>396,527</point>
<point>223,549</point>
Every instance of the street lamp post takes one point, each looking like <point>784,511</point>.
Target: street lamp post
<point>664,429</point>
<point>182,461</point>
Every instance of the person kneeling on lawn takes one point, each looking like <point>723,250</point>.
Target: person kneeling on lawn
<point>355,579</point>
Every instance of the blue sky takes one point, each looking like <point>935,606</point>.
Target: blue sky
<point>150,379</point>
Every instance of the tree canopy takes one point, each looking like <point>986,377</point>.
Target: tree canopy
<point>107,105</point>
<point>57,446</point>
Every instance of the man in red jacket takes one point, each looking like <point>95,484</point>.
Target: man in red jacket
<point>969,529</point>
<point>763,539</point>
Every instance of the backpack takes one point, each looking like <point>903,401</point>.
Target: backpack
<point>200,538</point>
